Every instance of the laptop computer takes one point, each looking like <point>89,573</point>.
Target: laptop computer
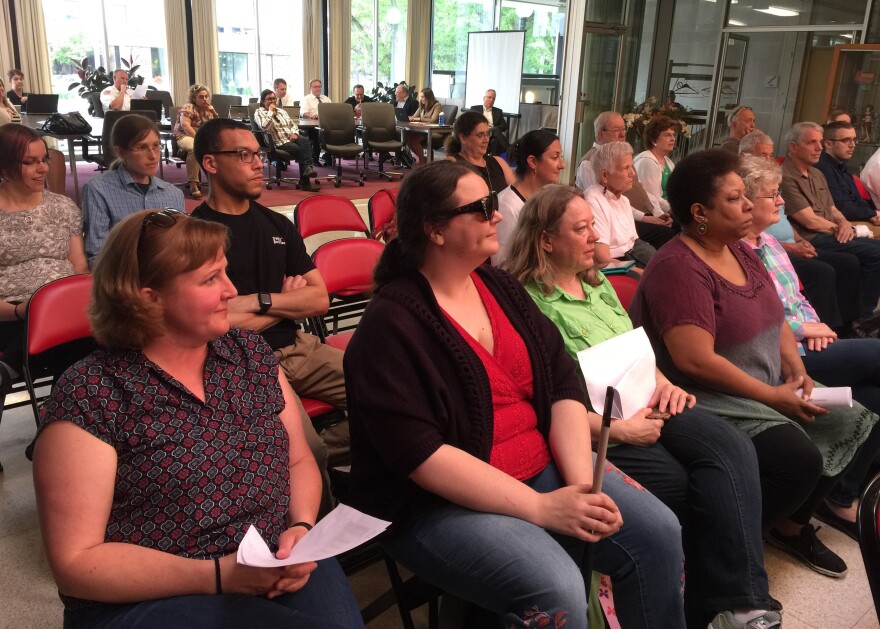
<point>155,106</point>
<point>41,104</point>
<point>400,114</point>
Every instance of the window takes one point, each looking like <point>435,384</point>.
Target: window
<point>544,27</point>
<point>453,20</point>
<point>257,45</point>
<point>384,22</point>
<point>135,31</point>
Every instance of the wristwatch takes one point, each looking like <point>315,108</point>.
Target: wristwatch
<point>265,301</point>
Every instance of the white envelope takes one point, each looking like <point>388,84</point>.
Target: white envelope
<point>626,363</point>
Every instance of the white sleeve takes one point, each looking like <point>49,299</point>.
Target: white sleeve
<point>585,176</point>
<point>871,178</point>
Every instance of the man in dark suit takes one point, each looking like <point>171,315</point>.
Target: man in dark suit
<point>404,100</point>
<point>357,98</point>
<point>498,143</point>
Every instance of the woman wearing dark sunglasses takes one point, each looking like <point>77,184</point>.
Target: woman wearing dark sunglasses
<point>470,433</point>
<point>158,452</point>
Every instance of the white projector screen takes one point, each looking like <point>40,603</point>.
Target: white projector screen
<point>494,61</point>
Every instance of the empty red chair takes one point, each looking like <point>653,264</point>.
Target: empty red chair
<point>326,213</point>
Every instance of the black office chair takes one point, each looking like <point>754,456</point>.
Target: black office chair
<point>222,103</point>
<point>380,134</point>
<point>108,154</point>
<point>338,138</point>
<point>274,156</point>
<point>450,112</point>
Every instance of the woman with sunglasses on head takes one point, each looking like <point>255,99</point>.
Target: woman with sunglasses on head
<point>157,452</point>
<point>40,239</point>
<point>189,119</point>
<point>468,143</point>
<point>470,433</point>
<point>538,159</point>
<point>131,183</point>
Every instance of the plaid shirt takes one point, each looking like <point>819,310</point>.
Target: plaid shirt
<point>797,309</point>
<point>279,125</point>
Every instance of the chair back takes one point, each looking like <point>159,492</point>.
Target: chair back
<point>165,98</point>
<point>869,536</point>
<point>337,123</point>
<point>625,287</point>
<point>97,105</point>
<point>379,121</point>
<point>292,111</point>
<point>110,118</point>
<point>141,105</point>
<point>451,112</point>
<point>326,213</point>
<point>380,208</point>
<point>251,110</point>
<point>222,103</point>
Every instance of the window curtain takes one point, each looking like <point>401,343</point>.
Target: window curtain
<point>32,46</point>
<point>175,35</point>
<point>418,42</point>
<point>205,47</point>
<point>339,51</point>
<point>7,61</point>
<point>312,33</point>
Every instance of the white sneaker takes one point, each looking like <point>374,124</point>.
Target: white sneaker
<point>726,620</point>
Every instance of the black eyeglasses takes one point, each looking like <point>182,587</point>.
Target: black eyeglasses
<point>161,218</point>
<point>486,207</point>
<point>847,141</point>
<point>245,155</point>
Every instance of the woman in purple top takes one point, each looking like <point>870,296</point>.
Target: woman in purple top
<point>156,454</point>
<point>717,325</point>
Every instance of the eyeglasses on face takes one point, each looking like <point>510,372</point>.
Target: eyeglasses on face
<point>616,131</point>
<point>245,155</point>
<point>482,135</point>
<point>776,193</point>
<point>485,207</point>
<point>33,161</point>
<point>147,148</point>
<point>847,141</point>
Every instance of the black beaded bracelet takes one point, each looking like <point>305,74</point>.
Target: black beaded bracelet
<point>305,525</point>
<point>217,580</point>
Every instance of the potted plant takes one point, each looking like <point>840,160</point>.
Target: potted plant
<point>385,93</point>
<point>93,80</point>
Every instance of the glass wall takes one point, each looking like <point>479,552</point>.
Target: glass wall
<point>256,47</point>
<point>378,42</point>
<point>75,31</point>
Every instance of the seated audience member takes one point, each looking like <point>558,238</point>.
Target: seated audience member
<point>190,117</point>
<point>145,492</point>
<point>404,101</point>
<point>428,112</point>
<point>498,143</point>
<point>117,97</point>
<point>40,237</point>
<point>699,465</point>
<point>308,108</point>
<point>618,239</point>
<point>719,331</point>
<point>129,185</point>
<point>471,436</point>
<point>357,97</point>
<point>840,363</point>
<point>538,159</point>
<point>468,143</point>
<point>741,122</point>
<point>830,278</point>
<point>839,115</point>
<point>285,133</point>
<point>653,166</point>
<point>840,142</point>
<point>653,224</point>
<point>280,87</point>
<point>279,286</point>
<point>811,209</point>
<point>17,95</point>
<point>7,111</point>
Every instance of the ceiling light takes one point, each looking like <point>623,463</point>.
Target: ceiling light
<point>778,11</point>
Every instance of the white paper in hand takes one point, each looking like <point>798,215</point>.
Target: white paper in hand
<point>340,530</point>
<point>828,397</point>
<point>626,363</point>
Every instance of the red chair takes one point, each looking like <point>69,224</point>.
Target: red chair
<point>56,316</point>
<point>869,537</point>
<point>863,191</point>
<point>347,268</point>
<point>380,209</point>
<point>625,287</point>
<point>326,213</point>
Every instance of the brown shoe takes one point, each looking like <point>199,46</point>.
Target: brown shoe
<point>194,191</point>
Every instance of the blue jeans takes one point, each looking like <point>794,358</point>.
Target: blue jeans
<point>706,471</point>
<point>851,363</point>
<point>516,569</point>
<point>867,251</point>
<point>325,601</point>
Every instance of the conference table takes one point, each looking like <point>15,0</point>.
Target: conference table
<point>426,128</point>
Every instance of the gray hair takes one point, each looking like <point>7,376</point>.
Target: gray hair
<point>603,119</point>
<point>797,131</point>
<point>757,173</point>
<point>751,140</point>
<point>607,156</point>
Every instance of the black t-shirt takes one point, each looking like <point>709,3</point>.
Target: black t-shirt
<point>264,248</point>
<point>13,97</point>
<point>351,100</point>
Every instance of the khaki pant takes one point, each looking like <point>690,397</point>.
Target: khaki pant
<point>192,166</point>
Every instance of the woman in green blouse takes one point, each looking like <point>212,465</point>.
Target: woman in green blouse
<point>699,465</point>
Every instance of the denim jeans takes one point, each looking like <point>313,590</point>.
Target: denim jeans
<point>851,363</point>
<point>521,571</point>
<point>868,253</point>
<point>706,471</point>
<point>325,601</point>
